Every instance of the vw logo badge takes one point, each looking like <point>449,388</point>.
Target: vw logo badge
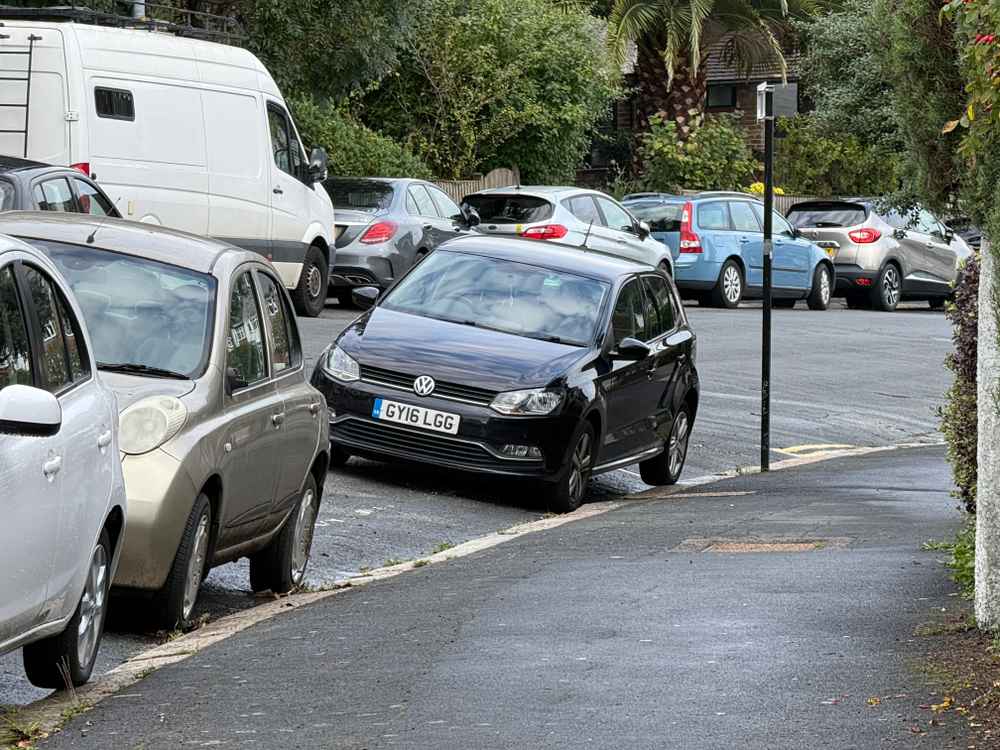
<point>424,385</point>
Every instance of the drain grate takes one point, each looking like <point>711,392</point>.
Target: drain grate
<point>758,544</point>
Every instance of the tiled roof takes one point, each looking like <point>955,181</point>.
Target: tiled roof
<point>722,68</point>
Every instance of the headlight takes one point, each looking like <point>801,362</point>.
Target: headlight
<point>339,365</point>
<point>150,423</point>
<point>533,401</point>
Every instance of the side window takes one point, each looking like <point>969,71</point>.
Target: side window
<point>447,208</point>
<point>411,205</point>
<point>628,319</point>
<point>56,373</point>
<point>287,351</point>
<point>661,318</point>
<point>779,224</point>
<point>114,104</point>
<point>926,223</point>
<point>287,154</point>
<point>425,207</point>
<point>616,217</point>
<point>245,343</point>
<point>744,219</point>
<point>713,215</point>
<point>92,201</point>
<point>15,351</point>
<point>584,208</point>
<point>54,195</point>
<point>79,366</point>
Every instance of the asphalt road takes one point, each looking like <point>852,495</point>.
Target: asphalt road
<point>842,376</point>
<point>632,629</point>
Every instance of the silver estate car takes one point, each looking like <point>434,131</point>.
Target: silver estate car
<point>883,257</point>
<point>574,216</point>
<point>224,444</point>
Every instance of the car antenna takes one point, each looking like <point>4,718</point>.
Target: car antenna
<point>92,235</point>
<point>587,235</point>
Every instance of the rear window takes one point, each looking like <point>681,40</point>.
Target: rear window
<point>359,195</point>
<point>827,215</point>
<point>510,209</point>
<point>661,217</point>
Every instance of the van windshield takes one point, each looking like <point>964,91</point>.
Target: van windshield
<point>143,316</point>
<point>359,195</point>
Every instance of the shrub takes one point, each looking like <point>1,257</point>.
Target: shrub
<point>354,149</point>
<point>715,156</point>
<point>963,559</point>
<point>959,414</point>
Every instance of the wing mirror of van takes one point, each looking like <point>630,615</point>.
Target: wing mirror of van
<point>365,297</point>
<point>317,164</point>
<point>470,216</point>
<point>28,411</point>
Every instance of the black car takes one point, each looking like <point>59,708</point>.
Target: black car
<point>33,186</point>
<point>506,356</point>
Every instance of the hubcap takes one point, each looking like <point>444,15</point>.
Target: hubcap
<point>305,522</point>
<point>196,567</point>
<point>92,607</point>
<point>677,447</point>
<point>580,468</point>
<point>824,286</point>
<point>890,285</point>
<point>314,281</point>
<point>732,284</point>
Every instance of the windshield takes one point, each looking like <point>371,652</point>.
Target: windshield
<point>370,196</point>
<point>502,295</point>
<point>661,217</point>
<point>142,315</point>
<point>510,209</point>
<point>827,215</point>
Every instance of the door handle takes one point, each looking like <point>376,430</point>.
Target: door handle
<point>51,467</point>
<point>104,440</point>
<point>278,419</point>
<point>744,240</point>
<point>278,191</point>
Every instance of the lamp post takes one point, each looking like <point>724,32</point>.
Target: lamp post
<point>765,114</point>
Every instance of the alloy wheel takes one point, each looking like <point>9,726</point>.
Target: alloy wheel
<point>581,465</point>
<point>92,606</point>
<point>302,541</point>
<point>732,284</point>
<point>314,281</point>
<point>196,567</point>
<point>890,286</point>
<point>677,445</point>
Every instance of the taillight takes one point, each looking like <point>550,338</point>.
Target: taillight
<point>380,231</point>
<point>864,236</point>
<point>83,166</point>
<point>690,242</point>
<point>545,232</point>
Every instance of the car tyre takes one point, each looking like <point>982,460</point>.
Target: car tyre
<point>174,603</point>
<point>281,566</point>
<point>888,288</point>
<point>666,467</point>
<point>729,289</point>
<point>338,456</point>
<point>822,289</point>
<point>784,303</point>
<point>567,494</point>
<point>309,296</point>
<point>68,658</point>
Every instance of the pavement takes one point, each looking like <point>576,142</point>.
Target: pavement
<point>840,377</point>
<point>769,611</point>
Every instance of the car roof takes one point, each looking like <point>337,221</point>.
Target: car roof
<point>694,197</point>
<point>121,236</point>
<point>552,192</point>
<point>14,164</point>
<point>551,255</point>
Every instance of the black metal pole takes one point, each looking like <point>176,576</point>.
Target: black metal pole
<point>765,377</point>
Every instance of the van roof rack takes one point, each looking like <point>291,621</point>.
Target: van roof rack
<point>127,14</point>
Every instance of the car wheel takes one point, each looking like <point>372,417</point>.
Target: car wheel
<point>784,303</point>
<point>310,295</point>
<point>666,268</point>
<point>344,298</point>
<point>174,603</point>
<point>822,289</point>
<point>666,468</point>
<point>567,494</point>
<point>729,290</point>
<point>68,658</point>
<point>885,296</point>
<point>338,456</point>
<point>281,566</point>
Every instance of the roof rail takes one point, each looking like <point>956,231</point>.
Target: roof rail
<point>734,193</point>
<point>128,14</point>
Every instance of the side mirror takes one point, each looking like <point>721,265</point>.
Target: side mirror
<point>948,234</point>
<point>644,230</point>
<point>234,381</point>
<point>317,164</point>
<point>29,412</point>
<point>470,216</point>
<point>365,297</point>
<point>631,350</point>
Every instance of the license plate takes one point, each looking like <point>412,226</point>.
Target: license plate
<point>415,416</point>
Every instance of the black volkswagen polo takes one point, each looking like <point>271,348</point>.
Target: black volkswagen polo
<point>513,357</point>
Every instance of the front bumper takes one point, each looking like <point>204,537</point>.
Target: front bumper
<point>853,279</point>
<point>476,448</point>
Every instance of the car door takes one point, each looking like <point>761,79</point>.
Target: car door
<point>669,348</point>
<point>54,194</point>
<point>792,256</point>
<point>627,386</point>
<point>255,414</point>
<point>618,232</point>
<point>584,208</point>
<point>30,484</point>
<point>300,403</point>
<point>748,235</point>
<point>450,221</point>
<point>940,261</point>
<point>420,205</point>
<point>290,196</point>
<point>88,414</point>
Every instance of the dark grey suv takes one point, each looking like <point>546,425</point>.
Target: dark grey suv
<point>33,186</point>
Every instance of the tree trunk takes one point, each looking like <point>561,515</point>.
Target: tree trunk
<point>988,492</point>
<point>676,102</point>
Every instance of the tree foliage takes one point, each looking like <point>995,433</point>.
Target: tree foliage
<point>498,83</point>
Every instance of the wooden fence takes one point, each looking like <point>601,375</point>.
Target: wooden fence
<point>458,189</point>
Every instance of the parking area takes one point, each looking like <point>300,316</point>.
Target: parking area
<point>840,377</point>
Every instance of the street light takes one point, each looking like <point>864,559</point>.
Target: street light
<point>765,114</point>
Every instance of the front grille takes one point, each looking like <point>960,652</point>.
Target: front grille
<point>453,391</point>
<point>378,437</point>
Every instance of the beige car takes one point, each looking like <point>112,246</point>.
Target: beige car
<point>224,444</point>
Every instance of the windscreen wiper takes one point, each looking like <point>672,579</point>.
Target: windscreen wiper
<point>138,369</point>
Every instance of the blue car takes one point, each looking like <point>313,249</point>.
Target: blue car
<point>717,242</point>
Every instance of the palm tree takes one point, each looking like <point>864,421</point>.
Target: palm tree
<point>671,39</point>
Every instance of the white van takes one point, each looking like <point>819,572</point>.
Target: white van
<point>179,132</point>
